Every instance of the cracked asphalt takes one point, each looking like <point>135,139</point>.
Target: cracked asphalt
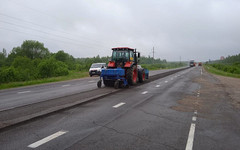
<point>157,119</point>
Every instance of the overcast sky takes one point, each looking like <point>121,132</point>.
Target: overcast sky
<point>190,29</point>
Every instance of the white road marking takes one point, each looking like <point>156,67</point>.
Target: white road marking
<point>190,140</point>
<point>23,92</point>
<point>66,85</point>
<point>92,81</point>
<point>145,92</point>
<point>201,72</point>
<point>195,112</point>
<point>47,139</point>
<point>158,85</point>
<point>118,105</point>
<point>194,118</point>
<point>166,81</point>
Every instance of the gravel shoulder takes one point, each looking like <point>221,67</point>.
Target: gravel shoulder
<point>232,87</point>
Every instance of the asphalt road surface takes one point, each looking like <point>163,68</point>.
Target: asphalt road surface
<point>16,97</point>
<point>186,110</point>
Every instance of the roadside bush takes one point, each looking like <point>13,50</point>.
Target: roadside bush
<point>234,68</point>
<point>25,69</point>
<point>7,75</point>
<point>52,68</point>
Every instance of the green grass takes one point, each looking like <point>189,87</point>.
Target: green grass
<point>220,72</point>
<point>72,75</point>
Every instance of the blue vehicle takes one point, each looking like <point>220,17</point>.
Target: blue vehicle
<point>123,69</point>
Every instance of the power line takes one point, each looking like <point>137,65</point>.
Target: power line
<point>46,32</point>
<point>45,38</point>
<point>51,29</point>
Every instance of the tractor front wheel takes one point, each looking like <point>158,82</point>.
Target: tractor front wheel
<point>99,84</point>
<point>116,84</point>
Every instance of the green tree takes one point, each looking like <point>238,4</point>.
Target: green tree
<point>31,49</point>
<point>3,56</point>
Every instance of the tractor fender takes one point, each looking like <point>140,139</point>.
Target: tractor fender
<point>128,64</point>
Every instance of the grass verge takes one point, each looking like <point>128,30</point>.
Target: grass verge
<point>220,72</point>
<point>72,75</point>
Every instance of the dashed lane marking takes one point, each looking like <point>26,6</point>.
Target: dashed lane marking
<point>118,105</point>
<point>194,118</point>
<point>166,81</point>
<point>66,85</point>
<point>195,112</point>
<point>23,92</point>
<point>47,139</point>
<point>145,92</point>
<point>190,140</point>
<point>158,85</point>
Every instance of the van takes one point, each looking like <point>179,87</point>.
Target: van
<point>96,68</point>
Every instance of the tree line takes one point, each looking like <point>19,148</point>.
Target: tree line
<point>32,60</point>
<point>230,64</point>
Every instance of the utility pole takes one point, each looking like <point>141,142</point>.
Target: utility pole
<point>153,52</point>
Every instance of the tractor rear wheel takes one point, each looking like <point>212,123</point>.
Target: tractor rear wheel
<point>132,75</point>
<point>141,76</point>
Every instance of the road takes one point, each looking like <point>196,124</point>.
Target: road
<point>186,110</point>
<point>17,97</point>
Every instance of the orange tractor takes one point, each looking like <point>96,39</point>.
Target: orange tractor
<point>123,69</point>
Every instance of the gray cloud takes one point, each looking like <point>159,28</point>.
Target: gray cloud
<point>199,29</point>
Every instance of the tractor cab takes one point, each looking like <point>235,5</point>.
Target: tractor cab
<point>122,57</point>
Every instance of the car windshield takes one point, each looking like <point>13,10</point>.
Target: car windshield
<point>97,65</point>
<point>120,55</point>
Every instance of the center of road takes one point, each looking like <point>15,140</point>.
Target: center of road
<point>118,105</point>
<point>23,92</point>
<point>145,92</point>
<point>66,85</point>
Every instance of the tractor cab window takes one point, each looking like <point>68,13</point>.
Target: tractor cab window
<point>120,56</point>
<point>131,56</point>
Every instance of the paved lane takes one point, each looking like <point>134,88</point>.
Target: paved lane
<point>16,97</point>
<point>131,119</point>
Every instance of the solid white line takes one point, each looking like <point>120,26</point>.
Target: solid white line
<point>158,85</point>
<point>47,139</point>
<point>23,92</point>
<point>145,92</point>
<point>118,105</point>
<point>194,118</point>
<point>66,85</point>
<point>190,140</point>
<point>166,81</point>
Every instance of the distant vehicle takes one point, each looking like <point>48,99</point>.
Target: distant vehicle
<point>96,69</point>
<point>199,64</point>
<point>191,63</point>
